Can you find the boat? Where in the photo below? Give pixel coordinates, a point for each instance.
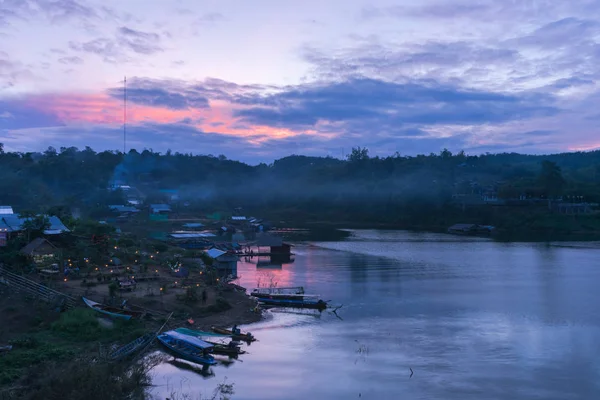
(231, 349)
(187, 347)
(114, 312)
(131, 347)
(195, 333)
(291, 293)
(306, 301)
(246, 337)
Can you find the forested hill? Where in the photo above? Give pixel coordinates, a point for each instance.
(361, 186)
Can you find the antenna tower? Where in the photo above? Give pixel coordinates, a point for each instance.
(124, 115)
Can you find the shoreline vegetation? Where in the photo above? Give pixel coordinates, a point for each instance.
(61, 354)
(544, 196)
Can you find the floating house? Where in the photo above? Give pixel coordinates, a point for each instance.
(275, 245)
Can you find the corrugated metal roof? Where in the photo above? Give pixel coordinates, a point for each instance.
(123, 208)
(15, 223)
(160, 207)
(238, 218)
(193, 225)
(191, 235)
(215, 253)
(34, 245)
(265, 240)
(6, 210)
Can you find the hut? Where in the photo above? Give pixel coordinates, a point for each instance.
(225, 262)
(41, 251)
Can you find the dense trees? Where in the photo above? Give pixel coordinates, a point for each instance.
(360, 188)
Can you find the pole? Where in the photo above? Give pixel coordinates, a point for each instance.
(124, 115)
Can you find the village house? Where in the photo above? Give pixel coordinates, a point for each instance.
(225, 262)
(124, 211)
(41, 252)
(159, 212)
(12, 225)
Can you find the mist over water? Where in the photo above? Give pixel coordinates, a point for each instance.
(473, 318)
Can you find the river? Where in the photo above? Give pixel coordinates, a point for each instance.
(472, 318)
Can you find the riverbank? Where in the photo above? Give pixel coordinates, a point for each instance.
(48, 345)
(512, 224)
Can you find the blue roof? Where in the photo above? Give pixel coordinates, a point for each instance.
(14, 224)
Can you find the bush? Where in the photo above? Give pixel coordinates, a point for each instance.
(78, 324)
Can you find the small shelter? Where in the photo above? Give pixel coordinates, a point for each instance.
(41, 251)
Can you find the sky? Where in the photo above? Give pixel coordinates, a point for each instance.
(259, 80)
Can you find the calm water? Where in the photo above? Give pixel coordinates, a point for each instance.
(474, 319)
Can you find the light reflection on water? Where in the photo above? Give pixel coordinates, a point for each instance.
(472, 318)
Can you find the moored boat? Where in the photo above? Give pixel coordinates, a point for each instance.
(307, 301)
(187, 347)
(246, 337)
(131, 347)
(231, 348)
(193, 332)
(281, 292)
(114, 312)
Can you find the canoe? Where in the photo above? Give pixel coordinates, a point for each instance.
(112, 311)
(131, 347)
(247, 337)
(197, 353)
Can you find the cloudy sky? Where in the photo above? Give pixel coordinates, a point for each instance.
(261, 79)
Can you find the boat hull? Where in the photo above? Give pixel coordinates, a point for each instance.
(185, 350)
(131, 348)
(318, 305)
(247, 337)
(111, 311)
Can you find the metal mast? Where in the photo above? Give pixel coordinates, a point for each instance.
(124, 115)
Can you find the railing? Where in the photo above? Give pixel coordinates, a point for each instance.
(35, 289)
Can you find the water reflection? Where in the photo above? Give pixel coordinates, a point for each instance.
(473, 319)
(204, 371)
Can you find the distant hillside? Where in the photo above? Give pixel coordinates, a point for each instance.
(397, 190)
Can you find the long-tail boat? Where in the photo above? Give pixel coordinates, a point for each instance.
(188, 348)
(114, 312)
(246, 337)
(131, 347)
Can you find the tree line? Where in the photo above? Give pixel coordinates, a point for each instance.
(360, 187)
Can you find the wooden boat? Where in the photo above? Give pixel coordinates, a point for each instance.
(131, 347)
(306, 301)
(114, 312)
(187, 348)
(246, 337)
(231, 349)
(286, 293)
(195, 333)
